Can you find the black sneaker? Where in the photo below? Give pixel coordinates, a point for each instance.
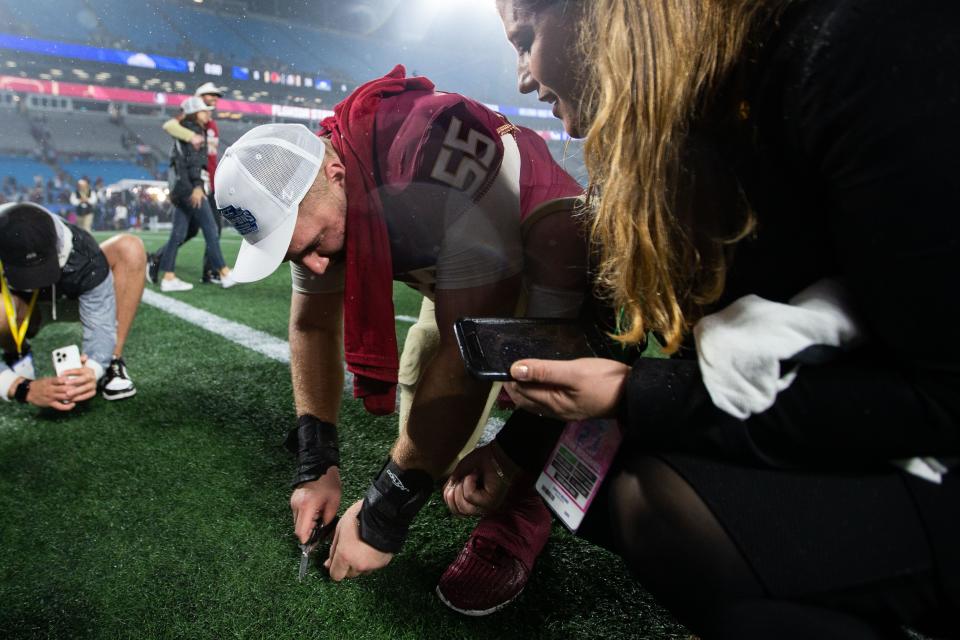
(210, 277)
(153, 267)
(116, 383)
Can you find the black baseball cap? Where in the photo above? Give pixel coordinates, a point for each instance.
(28, 246)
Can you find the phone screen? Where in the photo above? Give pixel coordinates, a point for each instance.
(490, 345)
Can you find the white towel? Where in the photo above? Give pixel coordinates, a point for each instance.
(740, 350)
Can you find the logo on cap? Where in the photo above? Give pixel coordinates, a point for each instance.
(242, 220)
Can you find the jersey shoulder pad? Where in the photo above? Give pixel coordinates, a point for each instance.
(446, 141)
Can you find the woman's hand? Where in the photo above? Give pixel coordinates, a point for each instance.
(568, 389)
(196, 197)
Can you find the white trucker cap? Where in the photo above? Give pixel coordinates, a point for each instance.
(261, 181)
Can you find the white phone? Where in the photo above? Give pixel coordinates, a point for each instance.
(66, 358)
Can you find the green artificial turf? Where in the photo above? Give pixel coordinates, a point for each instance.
(166, 516)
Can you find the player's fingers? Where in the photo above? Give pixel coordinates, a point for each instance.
(306, 521)
(330, 511)
(339, 567)
(450, 500)
(481, 497)
(333, 544)
(471, 488)
(464, 506)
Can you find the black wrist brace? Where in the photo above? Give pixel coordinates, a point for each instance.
(391, 504)
(314, 442)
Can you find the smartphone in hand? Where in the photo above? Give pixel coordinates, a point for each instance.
(66, 358)
(489, 346)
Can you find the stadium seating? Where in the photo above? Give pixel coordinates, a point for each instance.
(148, 128)
(16, 133)
(85, 133)
(64, 19)
(141, 25)
(231, 131)
(110, 170)
(209, 31)
(24, 169)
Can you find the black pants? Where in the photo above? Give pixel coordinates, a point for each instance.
(740, 552)
(193, 229)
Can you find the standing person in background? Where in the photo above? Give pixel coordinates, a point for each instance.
(120, 213)
(84, 199)
(100, 212)
(779, 204)
(210, 137)
(191, 204)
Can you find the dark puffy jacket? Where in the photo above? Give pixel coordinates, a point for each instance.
(188, 162)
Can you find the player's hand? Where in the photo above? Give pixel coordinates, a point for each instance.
(196, 197)
(50, 393)
(315, 502)
(568, 389)
(349, 555)
(480, 482)
(196, 141)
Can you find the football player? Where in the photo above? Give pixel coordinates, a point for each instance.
(432, 189)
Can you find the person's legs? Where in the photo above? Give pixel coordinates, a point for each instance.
(127, 258)
(210, 274)
(421, 344)
(181, 221)
(193, 228)
(191, 231)
(672, 541)
(204, 218)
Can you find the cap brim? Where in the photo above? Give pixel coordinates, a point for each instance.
(257, 261)
(30, 278)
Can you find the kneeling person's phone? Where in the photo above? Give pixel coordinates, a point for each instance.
(66, 358)
(489, 346)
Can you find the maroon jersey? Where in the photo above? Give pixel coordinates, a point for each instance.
(440, 157)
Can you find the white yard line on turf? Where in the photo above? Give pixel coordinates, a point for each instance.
(263, 343)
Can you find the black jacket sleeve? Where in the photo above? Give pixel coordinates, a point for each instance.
(871, 110)
(189, 163)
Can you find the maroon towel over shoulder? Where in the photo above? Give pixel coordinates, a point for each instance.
(369, 337)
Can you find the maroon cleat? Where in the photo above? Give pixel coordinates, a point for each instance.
(495, 564)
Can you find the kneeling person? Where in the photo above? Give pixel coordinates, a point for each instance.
(45, 260)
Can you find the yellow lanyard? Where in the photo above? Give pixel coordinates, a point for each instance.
(19, 331)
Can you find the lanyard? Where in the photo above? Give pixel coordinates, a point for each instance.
(19, 331)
